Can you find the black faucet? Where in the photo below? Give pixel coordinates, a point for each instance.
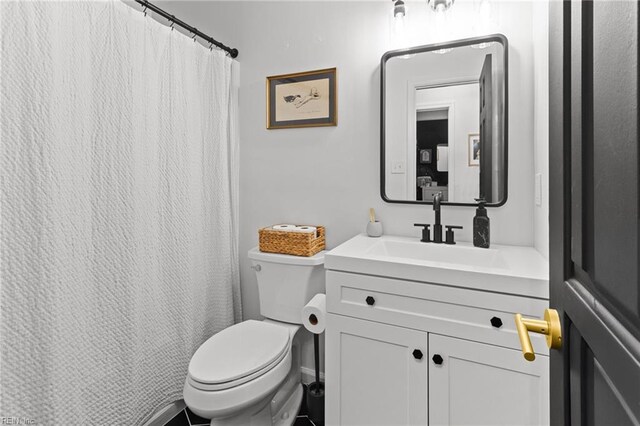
(437, 227)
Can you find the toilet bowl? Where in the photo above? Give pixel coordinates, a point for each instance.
(235, 375)
(249, 373)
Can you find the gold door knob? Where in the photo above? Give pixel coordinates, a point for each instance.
(549, 326)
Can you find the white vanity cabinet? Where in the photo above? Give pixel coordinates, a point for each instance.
(405, 352)
(381, 381)
(478, 384)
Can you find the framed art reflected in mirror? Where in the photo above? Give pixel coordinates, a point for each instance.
(474, 149)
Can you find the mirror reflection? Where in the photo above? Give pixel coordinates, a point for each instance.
(444, 126)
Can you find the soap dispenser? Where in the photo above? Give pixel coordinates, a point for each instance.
(481, 225)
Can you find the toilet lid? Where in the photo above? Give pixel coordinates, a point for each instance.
(238, 351)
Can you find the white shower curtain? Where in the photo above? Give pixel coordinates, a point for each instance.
(118, 207)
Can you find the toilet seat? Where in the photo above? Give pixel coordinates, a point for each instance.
(227, 385)
(238, 355)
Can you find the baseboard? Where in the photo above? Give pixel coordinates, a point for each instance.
(165, 414)
(309, 375)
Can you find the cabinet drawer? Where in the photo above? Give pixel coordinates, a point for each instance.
(469, 314)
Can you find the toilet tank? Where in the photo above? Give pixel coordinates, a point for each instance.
(286, 283)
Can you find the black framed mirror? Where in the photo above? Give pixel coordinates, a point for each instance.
(444, 122)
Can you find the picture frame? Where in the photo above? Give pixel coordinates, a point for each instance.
(474, 149)
(425, 156)
(305, 99)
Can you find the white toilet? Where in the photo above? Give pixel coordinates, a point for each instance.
(249, 373)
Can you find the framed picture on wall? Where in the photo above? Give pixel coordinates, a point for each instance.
(306, 99)
(425, 156)
(474, 149)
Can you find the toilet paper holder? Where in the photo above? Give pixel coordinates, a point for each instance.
(313, 317)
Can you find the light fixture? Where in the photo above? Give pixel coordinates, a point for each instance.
(442, 27)
(440, 5)
(399, 10)
(398, 34)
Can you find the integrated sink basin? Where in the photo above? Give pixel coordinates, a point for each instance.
(458, 255)
(507, 269)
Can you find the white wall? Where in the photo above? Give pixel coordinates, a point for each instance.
(330, 175)
(541, 122)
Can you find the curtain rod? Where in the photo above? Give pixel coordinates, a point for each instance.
(145, 3)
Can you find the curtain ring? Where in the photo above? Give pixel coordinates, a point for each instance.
(194, 36)
(145, 11)
(172, 24)
(211, 46)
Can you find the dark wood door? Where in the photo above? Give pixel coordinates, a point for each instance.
(486, 131)
(594, 212)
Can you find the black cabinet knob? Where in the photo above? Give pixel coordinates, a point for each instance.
(437, 359)
(370, 300)
(417, 354)
(496, 322)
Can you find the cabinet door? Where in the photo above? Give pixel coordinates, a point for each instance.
(374, 375)
(477, 384)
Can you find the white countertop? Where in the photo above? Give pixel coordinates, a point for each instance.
(506, 269)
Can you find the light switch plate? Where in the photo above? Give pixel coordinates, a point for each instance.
(398, 168)
(538, 189)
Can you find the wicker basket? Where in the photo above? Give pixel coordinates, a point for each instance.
(295, 243)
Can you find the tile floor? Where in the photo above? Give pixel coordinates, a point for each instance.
(187, 418)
